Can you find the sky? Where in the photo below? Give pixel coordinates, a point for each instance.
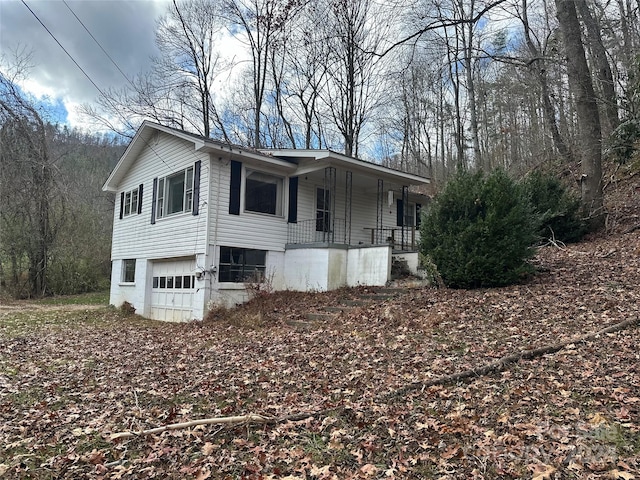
(124, 28)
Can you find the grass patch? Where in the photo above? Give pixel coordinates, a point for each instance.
(92, 298)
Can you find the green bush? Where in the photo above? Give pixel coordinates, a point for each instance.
(557, 209)
(622, 143)
(480, 231)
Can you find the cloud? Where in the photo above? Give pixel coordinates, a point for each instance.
(125, 30)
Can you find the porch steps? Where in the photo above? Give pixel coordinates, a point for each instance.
(313, 320)
(338, 309)
(319, 316)
(355, 303)
(378, 297)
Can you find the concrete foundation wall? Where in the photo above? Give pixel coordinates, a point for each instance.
(327, 267)
(369, 266)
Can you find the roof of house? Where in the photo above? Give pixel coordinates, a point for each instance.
(290, 161)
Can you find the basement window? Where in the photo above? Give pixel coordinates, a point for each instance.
(128, 271)
(239, 265)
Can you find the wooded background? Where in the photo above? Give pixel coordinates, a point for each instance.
(426, 86)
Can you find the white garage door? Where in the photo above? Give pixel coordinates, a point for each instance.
(173, 289)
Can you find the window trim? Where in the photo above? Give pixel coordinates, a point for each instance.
(163, 194)
(124, 271)
(280, 188)
(131, 199)
(131, 202)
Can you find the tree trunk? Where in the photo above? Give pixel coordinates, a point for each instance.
(586, 111)
(538, 66)
(603, 69)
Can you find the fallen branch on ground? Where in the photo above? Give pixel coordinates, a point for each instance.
(503, 362)
(249, 419)
(492, 367)
(632, 229)
(242, 419)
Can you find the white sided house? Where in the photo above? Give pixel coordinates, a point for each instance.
(196, 219)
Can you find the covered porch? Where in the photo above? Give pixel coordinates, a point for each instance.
(348, 219)
(343, 201)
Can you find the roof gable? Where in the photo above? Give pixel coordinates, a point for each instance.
(288, 161)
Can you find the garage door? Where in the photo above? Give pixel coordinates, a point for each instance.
(173, 289)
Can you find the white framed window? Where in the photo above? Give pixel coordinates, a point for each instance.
(130, 205)
(263, 193)
(323, 210)
(128, 271)
(174, 193)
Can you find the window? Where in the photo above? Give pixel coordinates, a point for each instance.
(128, 271)
(175, 193)
(240, 264)
(131, 202)
(177, 282)
(323, 210)
(263, 193)
(409, 218)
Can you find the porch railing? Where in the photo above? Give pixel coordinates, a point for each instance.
(394, 236)
(314, 231)
(311, 231)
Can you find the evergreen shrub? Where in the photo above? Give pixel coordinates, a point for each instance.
(480, 231)
(557, 209)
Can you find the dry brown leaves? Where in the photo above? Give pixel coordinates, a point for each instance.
(76, 377)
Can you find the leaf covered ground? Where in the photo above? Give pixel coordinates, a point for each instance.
(350, 385)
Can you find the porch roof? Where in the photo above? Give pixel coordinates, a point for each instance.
(309, 161)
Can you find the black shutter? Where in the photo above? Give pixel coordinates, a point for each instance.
(196, 187)
(418, 209)
(400, 213)
(140, 198)
(121, 205)
(154, 196)
(293, 200)
(234, 192)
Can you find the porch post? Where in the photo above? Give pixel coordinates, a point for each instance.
(379, 216)
(347, 207)
(330, 196)
(405, 212)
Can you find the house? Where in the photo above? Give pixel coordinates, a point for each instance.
(196, 219)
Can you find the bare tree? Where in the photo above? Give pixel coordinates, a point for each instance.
(299, 77)
(586, 111)
(179, 90)
(27, 180)
(258, 24)
(604, 75)
(353, 31)
(537, 63)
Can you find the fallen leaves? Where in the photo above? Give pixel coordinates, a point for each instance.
(67, 384)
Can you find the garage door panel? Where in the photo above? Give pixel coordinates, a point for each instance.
(173, 290)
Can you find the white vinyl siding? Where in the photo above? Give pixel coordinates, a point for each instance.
(247, 230)
(174, 236)
(363, 208)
